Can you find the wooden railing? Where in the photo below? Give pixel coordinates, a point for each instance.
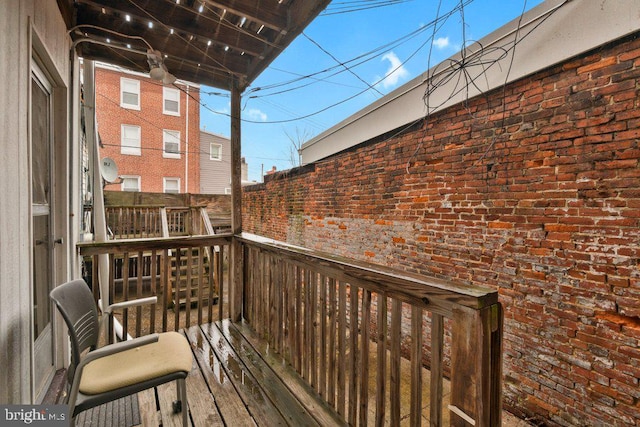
(135, 222)
(188, 275)
(353, 331)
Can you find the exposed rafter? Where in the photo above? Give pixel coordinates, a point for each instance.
(206, 41)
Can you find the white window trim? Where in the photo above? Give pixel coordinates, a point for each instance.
(165, 92)
(165, 153)
(164, 183)
(219, 151)
(227, 190)
(130, 177)
(128, 149)
(123, 81)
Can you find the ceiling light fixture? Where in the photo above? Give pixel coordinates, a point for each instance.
(127, 18)
(201, 7)
(260, 29)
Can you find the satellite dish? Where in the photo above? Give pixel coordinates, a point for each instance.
(108, 169)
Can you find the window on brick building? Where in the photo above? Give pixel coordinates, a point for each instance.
(129, 93)
(130, 183)
(171, 101)
(215, 151)
(171, 143)
(130, 140)
(171, 185)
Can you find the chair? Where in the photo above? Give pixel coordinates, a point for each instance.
(119, 369)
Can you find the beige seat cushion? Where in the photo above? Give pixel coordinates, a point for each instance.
(171, 353)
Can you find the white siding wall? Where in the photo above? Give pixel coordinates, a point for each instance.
(215, 175)
(16, 20)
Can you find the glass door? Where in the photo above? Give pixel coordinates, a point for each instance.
(42, 240)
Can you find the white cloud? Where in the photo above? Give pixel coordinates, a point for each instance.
(441, 42)
(257, 115)
(395, 72)
(219, 111)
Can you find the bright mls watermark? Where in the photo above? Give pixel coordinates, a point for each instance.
(36, 415)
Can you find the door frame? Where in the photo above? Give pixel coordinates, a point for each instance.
(59, 203)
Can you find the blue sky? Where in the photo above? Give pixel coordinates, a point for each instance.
(354, 57)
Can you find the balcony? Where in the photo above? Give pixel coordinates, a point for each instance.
(306, 338)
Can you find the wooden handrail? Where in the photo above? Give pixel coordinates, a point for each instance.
(330, 317)
(132, 245)
(430, 293)
(185, 274)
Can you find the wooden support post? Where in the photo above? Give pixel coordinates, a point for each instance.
(236, 270)
(476, 367)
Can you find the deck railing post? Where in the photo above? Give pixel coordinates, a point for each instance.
(236, 270)
(476, 367)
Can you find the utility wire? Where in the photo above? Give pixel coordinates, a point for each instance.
(350, 70)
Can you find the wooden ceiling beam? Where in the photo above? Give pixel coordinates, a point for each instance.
(183, 20)
(265, 12)
(131, 61)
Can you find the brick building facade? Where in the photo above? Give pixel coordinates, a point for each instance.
(543, 205)
(150, 130)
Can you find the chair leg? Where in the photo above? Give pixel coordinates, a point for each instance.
(182, 391)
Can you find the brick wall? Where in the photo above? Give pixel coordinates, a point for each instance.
(544, 205)
(151, 166)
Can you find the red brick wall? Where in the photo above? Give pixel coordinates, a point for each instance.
(546, 208)
(151, 166)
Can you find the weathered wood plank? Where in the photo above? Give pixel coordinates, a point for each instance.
(381, 377)
(295, 414)
(167, 394)
(125, 293)
(176, 289)
(313, 328)
(365, 340)
(154, 289)
(139, 265)
(148, 409)
(202, 404)
(322, 381)
(342, 344)
(416, 366)
(306, 356)
(430, 293)
(394, 382)
(165, 289)
(437, 347)
(322, 413)
(333, 319)
(230, 405)
(132, 245)
(464, 365)
(263, 410)
(299, 326)
(200, 291)
(353, 355)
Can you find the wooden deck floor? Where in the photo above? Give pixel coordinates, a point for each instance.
(234, 381)
(230, 384)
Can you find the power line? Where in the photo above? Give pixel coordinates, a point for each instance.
(342, 64)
